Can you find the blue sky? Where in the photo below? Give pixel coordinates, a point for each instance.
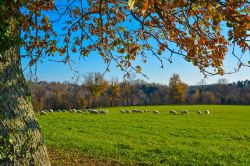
(54, 71)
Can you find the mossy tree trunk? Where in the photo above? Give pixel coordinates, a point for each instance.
(21, 142)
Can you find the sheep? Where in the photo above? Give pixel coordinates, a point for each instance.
(51, 110)
(172, 112)
(184, 112)
(156, 112)
(207, 112)
(74, 110)
(134, 111)
(137, 111)
(140, 111)
(198, 112)
(78, 111)
(43, 113)
(127, 111)
(123, 111)
(146, 110)
(103, 111)
(85, 110)
(92, 111)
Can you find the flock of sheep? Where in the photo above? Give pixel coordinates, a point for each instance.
(171, 112)
(93, 111)
(139, 111)
(186, 112)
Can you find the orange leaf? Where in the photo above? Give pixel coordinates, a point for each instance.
(145, 7)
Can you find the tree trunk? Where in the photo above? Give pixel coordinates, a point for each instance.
(21, 142)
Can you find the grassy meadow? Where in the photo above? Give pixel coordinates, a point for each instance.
(222, 138)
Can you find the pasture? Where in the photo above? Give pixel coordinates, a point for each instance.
(222, 138)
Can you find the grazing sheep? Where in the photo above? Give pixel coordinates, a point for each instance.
(103, 111)
(134, 111)
(51, 110)
(122, 111)
(198, 112)
(78, 111)
(172, 112)
(207, 112)
(92, 111)
(43, 113)
(146, 110)
(137, 111)
(140, 111)
(156, 112)
(127, 111)
(184, 112)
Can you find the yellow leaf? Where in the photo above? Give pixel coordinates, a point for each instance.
(131, 4)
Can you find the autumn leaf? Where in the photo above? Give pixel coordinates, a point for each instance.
(138, 69)
(131, 4)
(145, 7)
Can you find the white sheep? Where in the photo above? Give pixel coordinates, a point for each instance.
(43, 113)
(103, 111)
(140, 111)
(127, 111)
(134, 111)
(184, 112)
(207, 112)
(50, 110)
(79, 111)
(156, 112)
(198, 112)
(122, 111)
(173, 112)
(92, 111)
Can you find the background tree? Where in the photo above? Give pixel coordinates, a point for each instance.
(96, 85)
(126, 92)
(114, 91)
(177, 90)
(222, 89)
(106, 27)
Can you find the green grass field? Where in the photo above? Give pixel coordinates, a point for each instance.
(222, 138)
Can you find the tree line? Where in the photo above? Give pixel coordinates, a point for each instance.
(96, 91)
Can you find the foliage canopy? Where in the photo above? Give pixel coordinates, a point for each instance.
(122, 31)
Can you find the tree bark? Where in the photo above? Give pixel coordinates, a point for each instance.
(21, 142)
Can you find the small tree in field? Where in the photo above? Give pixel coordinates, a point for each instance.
(177, 90)
(120, 31)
